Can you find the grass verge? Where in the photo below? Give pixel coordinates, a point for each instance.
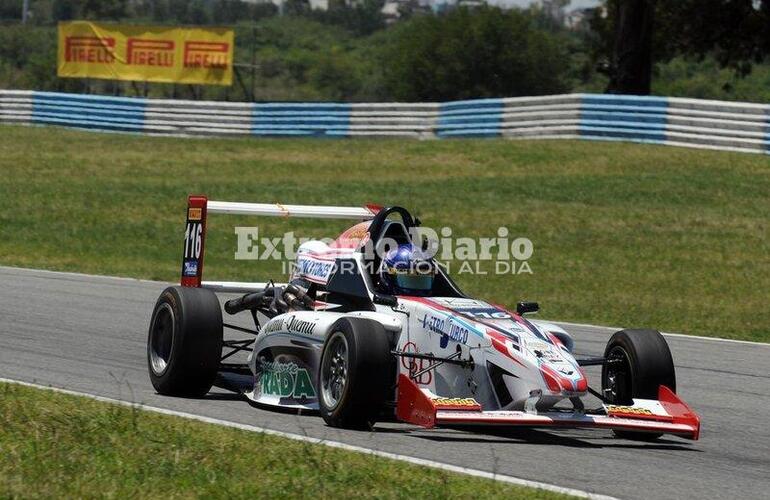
(633, 235)
(60, 446)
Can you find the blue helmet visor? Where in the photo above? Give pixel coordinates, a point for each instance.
(414, 281)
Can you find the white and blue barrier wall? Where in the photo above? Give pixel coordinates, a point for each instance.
(663, 120)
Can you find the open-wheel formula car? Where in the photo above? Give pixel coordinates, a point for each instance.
(345, 338)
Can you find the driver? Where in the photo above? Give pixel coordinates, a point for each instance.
(407, 270)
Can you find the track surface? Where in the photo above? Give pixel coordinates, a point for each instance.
(88, 334)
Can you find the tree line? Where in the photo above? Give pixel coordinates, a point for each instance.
(637, 34)
(348, 52)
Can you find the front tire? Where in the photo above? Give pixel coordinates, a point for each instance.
(640, 362)
(184, 343)
(355, 374)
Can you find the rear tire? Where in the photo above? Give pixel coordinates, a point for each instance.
(355, 376)
(642, 364)
(184, 343)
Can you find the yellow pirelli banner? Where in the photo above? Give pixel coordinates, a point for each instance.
(146, 53)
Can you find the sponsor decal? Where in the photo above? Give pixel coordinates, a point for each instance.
(460, 302)
(358, 231)
(548, 353)
(150, 53)
(89, 49)
(448, 327)
(416, 365)
(190, 268)
(285, 380)
(626, 410)
(455, 401)
(484, 313)
(194, 213)
(474, 308)
(314, 270)
(534, 345)
(273, 326)
(295, 325)
(290, 324)
(206, 54)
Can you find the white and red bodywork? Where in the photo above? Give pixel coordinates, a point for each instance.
(521, 369)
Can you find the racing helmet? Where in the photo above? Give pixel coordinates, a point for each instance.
(407, 270)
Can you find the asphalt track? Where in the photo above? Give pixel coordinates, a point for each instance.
(87, 334)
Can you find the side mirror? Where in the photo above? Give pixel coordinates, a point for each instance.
(385, 300)
(527, 307)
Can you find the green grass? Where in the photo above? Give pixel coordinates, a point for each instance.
(631, 235)
(61, 446)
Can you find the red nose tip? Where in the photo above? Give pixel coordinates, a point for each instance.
(551, 379)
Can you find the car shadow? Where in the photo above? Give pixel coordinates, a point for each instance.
(211, 396)
(222, 396)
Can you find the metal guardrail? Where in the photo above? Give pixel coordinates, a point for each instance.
(699, 123)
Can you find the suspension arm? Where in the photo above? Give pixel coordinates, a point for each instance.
(452, 360)
(595, 361)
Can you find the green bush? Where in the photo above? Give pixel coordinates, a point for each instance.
(707, 80)
(473, 53)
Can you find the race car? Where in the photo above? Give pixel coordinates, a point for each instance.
(363, 337)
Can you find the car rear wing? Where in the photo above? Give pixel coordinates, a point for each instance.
(199, 207)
